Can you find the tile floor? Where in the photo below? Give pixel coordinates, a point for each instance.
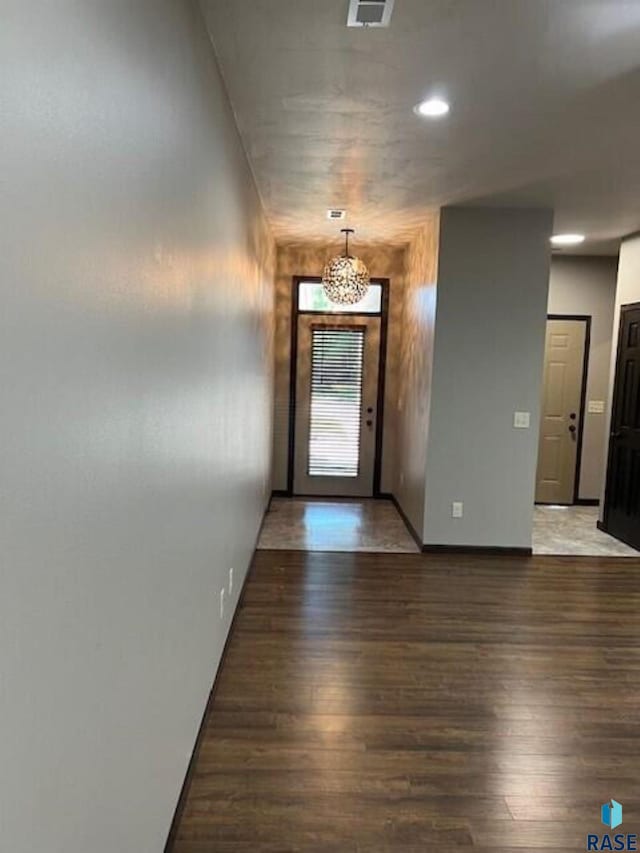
(375, 526)
(572, 531)
(299, 524)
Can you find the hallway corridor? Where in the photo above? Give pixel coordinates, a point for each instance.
(339, 249)
(375, 703)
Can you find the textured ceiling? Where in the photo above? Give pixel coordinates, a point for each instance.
(545, 110)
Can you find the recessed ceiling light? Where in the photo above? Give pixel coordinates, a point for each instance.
(567, 239)
(432, 108)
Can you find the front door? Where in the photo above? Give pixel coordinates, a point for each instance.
(622, 501)
(336, 405)
(560, 422)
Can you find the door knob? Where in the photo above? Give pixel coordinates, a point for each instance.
(369, 423)
(573, 416)
(572, 429)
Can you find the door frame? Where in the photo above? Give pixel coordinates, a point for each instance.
(382, 369)
(586, 319)
(604, 524)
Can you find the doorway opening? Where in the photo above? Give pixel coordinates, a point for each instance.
(336, 415)
(563, 522)
(333, 499)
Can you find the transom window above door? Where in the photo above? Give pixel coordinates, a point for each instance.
(313, 299)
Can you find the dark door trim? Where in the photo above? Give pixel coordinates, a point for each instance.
(382, 369)
(604, 524)
(586, 319)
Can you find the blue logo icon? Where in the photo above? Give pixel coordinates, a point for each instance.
(611, 814)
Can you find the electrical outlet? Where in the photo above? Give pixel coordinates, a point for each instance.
(222, 603)
(457, 508)
(230, 581)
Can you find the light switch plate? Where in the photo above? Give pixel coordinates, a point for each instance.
(521, 420)
(596, 407)
(457, 509)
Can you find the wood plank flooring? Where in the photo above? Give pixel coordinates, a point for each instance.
(395, 702)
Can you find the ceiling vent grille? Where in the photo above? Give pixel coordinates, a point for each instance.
(369, 13)
(334, 214)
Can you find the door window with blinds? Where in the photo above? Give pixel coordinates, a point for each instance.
(336, 401)
(336, 421)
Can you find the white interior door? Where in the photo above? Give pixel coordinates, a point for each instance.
(560, 411)
(336, 405)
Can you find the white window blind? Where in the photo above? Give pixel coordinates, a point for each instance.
(336, 401)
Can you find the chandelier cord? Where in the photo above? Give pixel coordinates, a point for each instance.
(346, 232)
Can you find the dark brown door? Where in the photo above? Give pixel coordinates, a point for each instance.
(622, 501)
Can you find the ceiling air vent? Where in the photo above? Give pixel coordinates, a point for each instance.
(369, 13)
(336, 214)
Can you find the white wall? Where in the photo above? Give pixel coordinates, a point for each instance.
(587, 285)
(627, 292)
(493, 274)
(136, 288)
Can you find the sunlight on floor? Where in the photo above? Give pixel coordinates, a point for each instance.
(335, 525)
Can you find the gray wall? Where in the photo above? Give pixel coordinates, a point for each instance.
(587, 285)
(490, 324)
(135, 360)
(627, 292)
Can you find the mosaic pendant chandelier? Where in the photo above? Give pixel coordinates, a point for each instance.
(345, 278)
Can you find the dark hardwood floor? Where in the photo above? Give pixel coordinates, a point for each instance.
(383, 702)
